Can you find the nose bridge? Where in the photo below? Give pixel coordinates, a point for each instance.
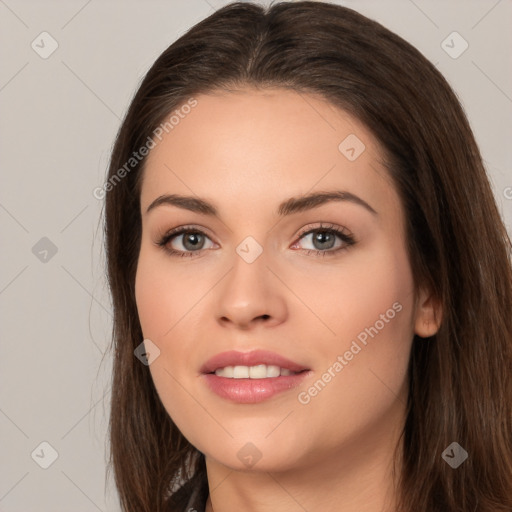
(248, 280)
(250, 290)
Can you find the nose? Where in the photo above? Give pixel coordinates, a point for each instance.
(250, 294)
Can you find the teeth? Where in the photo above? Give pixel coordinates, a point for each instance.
(240, 372)
(273, 371)
(260, 371)
(227, 372)
(256, 372)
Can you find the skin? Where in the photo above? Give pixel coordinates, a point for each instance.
(246, 151)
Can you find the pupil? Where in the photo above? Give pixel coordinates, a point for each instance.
(192, 237)
(321, 237)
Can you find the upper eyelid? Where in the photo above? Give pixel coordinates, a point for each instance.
(329, 227)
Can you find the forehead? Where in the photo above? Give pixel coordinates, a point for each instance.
(263, 145)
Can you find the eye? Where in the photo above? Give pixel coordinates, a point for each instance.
(324, 238)
(192, 241)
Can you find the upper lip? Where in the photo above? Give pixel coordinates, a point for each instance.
(253, 358)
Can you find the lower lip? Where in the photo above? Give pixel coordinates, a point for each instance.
(250, 391)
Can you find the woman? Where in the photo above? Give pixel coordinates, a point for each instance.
(311, 281)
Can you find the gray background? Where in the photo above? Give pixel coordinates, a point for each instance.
(59, 118)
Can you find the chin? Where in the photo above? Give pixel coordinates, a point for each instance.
(263, 455)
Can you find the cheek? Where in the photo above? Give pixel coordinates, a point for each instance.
(165, 307)
(162, 296)
(380, 297)
(373, 320)
(367, 289)
(153, 305)
(378, 313)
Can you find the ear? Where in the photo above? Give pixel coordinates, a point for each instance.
(428, 314)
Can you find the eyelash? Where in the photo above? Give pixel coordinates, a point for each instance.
(347, 239)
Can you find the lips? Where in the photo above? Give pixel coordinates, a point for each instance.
(254, 358)
(246, 390)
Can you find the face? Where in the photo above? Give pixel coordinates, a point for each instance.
(322, 289)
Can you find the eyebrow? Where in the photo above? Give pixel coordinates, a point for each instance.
(288, 207)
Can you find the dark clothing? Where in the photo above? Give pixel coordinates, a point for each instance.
(190, 497)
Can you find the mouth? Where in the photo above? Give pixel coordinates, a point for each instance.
(251, 377)
(260, 371)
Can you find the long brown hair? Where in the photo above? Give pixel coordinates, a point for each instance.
(460, 386)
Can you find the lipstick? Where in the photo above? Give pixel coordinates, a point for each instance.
(251, 377)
